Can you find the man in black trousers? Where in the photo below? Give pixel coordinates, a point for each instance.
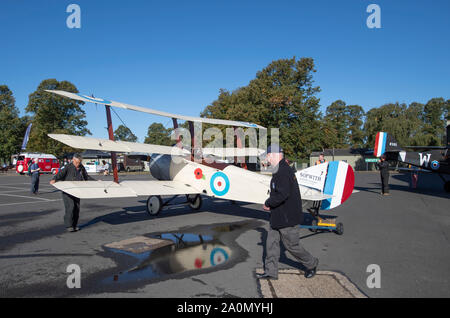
(383, 166)
(74, 171)
(285, 207)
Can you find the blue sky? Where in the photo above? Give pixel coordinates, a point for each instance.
(176, 55)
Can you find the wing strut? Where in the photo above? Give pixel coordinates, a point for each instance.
(111, 137)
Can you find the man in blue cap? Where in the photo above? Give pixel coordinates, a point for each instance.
(285, 207)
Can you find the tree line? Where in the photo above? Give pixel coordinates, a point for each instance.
(282, 95)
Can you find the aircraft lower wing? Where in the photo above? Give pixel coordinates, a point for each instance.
(124, 189)
(316, 197)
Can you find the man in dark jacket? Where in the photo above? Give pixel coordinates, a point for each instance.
(35, 172)
(285, 206)
(383, 166)
(74, 171)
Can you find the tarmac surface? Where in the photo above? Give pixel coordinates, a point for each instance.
(123, 252)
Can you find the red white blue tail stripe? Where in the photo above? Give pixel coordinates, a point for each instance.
(339, 183)
(380, 144)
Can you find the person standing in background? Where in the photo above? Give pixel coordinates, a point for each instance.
(321, 159)
(35, 176)
(383, 166)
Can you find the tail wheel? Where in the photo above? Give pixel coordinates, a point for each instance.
(195, 201)
(313, 223)
(154, 205)
(339, 229)
(447, 187)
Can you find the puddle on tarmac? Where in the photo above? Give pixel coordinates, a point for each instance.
(190, 250)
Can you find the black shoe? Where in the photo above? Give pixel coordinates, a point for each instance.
(265, 276)
(310, 273)
(70, 229)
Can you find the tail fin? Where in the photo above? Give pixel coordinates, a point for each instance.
(385, 143)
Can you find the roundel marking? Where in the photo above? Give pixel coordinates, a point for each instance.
(219, 184)
(435, 164)
(218, 256)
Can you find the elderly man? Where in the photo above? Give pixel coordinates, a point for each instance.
(285, 207)
(74, 171)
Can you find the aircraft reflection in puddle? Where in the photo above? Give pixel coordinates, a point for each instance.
(185, 252)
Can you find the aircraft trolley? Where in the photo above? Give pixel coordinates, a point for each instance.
(322, 224)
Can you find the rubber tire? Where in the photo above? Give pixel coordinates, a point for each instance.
(154, 205)
(447, 186)
(196, 202)
(339, 229)
(128, 169)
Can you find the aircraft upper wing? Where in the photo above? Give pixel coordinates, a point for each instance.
(110, 189)
(102, 101)
(91, 143)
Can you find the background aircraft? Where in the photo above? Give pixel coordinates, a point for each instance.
(434, 159)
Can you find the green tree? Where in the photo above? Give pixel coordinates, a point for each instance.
(355, 114)
(54, 114)
(11, 126)
(157, 134)
(389, 118)
(336, 122)
(342, 125)
(124, 134)
(281, 96)
(414, 125)
(435, 112)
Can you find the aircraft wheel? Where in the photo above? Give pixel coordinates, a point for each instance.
(154, 205)
(447, 186)
(339, 229)
(195, 201)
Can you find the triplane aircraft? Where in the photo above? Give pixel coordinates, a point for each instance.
(327, 185)
(433, 159)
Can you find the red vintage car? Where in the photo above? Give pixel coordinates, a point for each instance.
(47, 163)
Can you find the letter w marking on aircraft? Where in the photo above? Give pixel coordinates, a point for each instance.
(424, 159)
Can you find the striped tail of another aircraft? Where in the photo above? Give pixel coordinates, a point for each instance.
(385, 143)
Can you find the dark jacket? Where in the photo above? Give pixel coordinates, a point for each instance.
(383, 166)
(285, 202)
(70, 173)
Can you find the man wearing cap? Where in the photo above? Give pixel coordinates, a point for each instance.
(74, 171)
(285, 206)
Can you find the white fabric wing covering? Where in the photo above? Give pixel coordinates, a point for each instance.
(117, 146)
(89, 99)
(109, 189)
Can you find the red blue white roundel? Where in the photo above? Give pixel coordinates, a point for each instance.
(220, 184)
(435, 165)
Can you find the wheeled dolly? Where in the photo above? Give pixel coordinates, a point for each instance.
(155, 203)
(321, 224)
